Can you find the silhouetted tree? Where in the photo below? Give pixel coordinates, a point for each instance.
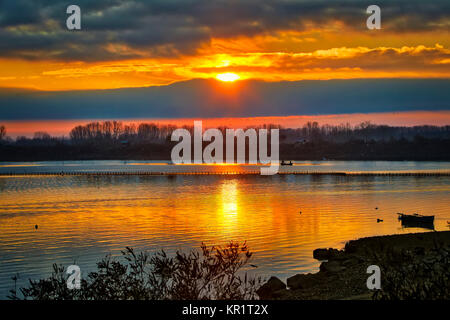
(42, 135)
(2, 132)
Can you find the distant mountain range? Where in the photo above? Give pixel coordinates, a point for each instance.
(200, 98)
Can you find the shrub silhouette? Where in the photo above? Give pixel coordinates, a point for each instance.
(211, 273)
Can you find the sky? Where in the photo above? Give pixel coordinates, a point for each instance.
(134, 44)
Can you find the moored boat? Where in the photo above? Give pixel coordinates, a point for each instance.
(416, 220)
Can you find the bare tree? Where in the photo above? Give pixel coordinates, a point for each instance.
(2, 132)
(41, 135)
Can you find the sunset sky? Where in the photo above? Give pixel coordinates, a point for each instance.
(124, 43)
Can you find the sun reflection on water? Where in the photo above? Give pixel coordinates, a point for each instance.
(229, 198)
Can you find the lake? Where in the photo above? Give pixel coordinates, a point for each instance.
(83, 218)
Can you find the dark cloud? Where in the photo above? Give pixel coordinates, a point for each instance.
(202, 99)
(13, 13)
(163, 27)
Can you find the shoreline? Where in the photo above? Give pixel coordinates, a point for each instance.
(343, 273)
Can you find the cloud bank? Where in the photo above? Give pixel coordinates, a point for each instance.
(125, 29)
(211, 99)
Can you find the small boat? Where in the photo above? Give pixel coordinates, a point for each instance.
(416, 220)
(286, 163)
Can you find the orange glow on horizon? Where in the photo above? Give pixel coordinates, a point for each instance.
(237, 59)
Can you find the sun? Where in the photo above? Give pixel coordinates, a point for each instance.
(228, 77)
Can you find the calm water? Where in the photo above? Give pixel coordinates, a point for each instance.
(83, 218)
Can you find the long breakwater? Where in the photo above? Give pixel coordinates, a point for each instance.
(227, 172)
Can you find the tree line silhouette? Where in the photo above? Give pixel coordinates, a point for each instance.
(312, 141)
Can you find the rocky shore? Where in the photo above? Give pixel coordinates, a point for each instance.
(343, 273)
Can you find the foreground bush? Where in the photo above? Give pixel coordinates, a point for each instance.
(422, 277)
(211, 273)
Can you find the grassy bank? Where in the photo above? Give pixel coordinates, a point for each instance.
(413, 266)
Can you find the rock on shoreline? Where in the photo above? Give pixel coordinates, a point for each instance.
(343, 273)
